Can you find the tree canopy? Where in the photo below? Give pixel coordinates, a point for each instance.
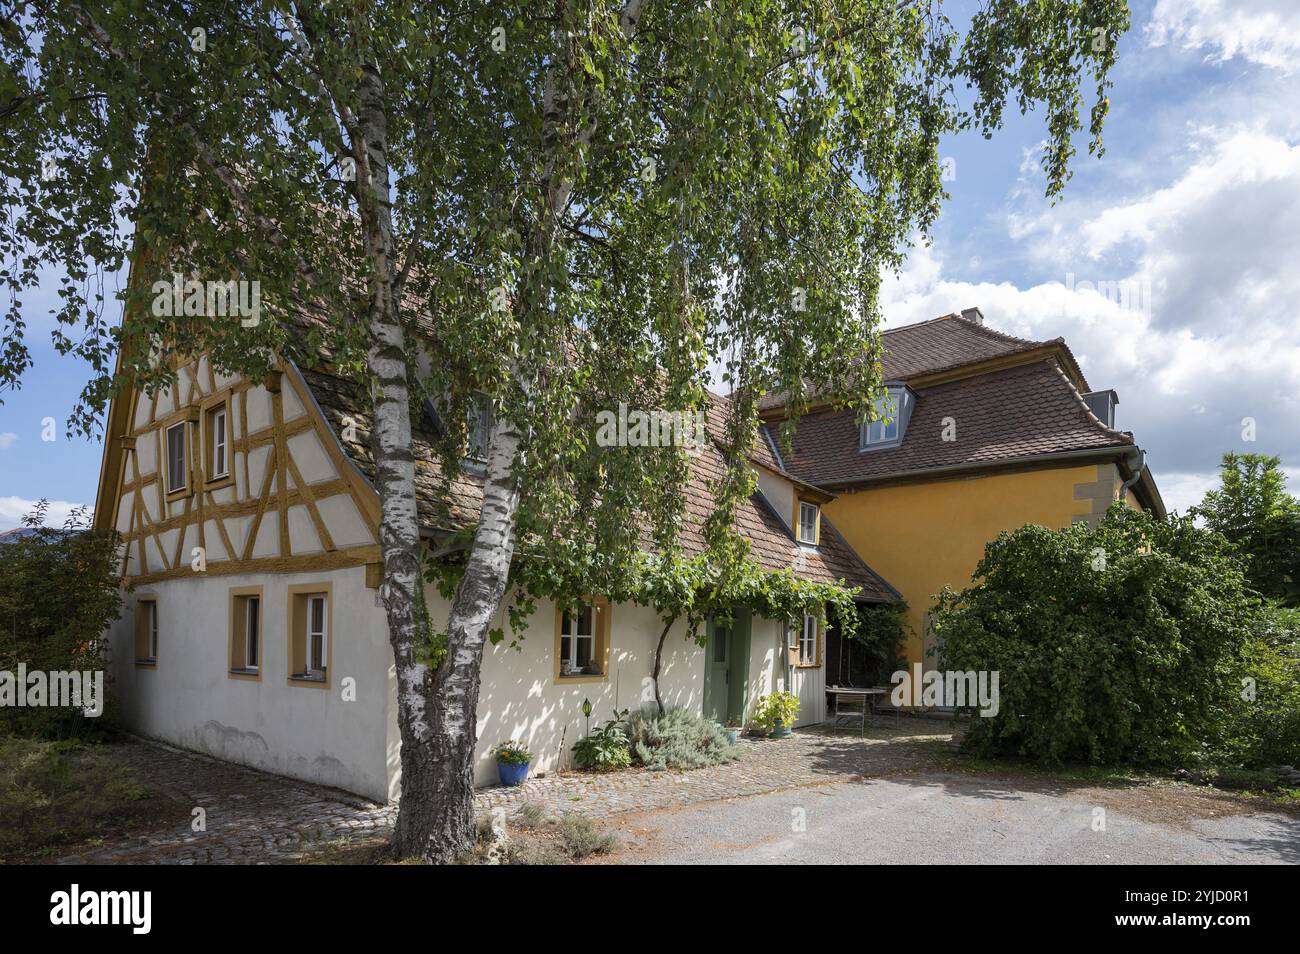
(1253, 510)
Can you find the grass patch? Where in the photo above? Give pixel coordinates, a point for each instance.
(582, 839)
(538, 838)
(54, 795)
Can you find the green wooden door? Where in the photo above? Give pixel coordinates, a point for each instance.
(738, 668)
(726, 672)
(717, 673)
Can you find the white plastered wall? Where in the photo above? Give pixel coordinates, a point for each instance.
(302, 731)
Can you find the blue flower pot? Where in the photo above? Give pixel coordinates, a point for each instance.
(512, 774)
(780, 730)
(733, 735)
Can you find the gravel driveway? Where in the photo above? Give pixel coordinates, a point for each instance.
(956, 818)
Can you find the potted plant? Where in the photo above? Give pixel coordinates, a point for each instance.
(776, 712)
(513, 759)
(732, 730)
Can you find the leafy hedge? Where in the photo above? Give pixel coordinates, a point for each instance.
(1124, 643)
(1270, 731)
(59, 590)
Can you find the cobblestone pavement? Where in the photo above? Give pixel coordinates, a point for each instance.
(253, 817)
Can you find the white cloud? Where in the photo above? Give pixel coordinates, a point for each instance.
(1266, 32)
(1208, 336)
(7, 439)
(1181, 491)
(13, 509)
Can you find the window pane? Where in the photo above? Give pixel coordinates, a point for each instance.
(219, 443)
(176, 457)
(317, 615)
(584, 648)
(565, 647)
(251, 629)
(807, 523)
(584, 621)
(891, 430)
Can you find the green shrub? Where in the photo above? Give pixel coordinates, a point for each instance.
(1124, 643)
(604, 750)
(581, 838)
(678, 740)
(59, 591)
(54, 793)
(1270, 726)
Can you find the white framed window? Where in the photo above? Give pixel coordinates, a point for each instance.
(217, 436)
(808, 641)
(310, 631)
(884, 426)
(177, 478)
(252, 631)
(317, 636)
(808, 518)
(578, 641)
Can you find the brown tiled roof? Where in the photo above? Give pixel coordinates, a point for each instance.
(772, 546)
(1017, 412)
(940, 344)
(944, 343)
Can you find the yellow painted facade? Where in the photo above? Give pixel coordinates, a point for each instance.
(923, 536)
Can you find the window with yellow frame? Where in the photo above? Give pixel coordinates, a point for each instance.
(808, 643)
(146, 630)
(582, 641)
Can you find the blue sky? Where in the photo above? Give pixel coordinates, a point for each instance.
(1195, 209)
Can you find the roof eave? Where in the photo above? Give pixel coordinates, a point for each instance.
(944, 470)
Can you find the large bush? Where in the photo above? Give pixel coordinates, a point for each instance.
(1127, 642)
(678, 740)
(59, 591)
(1269, 733)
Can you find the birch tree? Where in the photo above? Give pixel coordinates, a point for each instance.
(555, 207)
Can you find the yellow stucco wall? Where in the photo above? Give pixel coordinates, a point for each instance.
(920, 537)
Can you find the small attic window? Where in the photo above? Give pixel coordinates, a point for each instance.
(888, 419)
(809, 517)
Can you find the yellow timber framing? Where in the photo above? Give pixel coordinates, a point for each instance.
(197, 394)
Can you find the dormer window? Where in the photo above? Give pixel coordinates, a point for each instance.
(809, 522)
(888, 419)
